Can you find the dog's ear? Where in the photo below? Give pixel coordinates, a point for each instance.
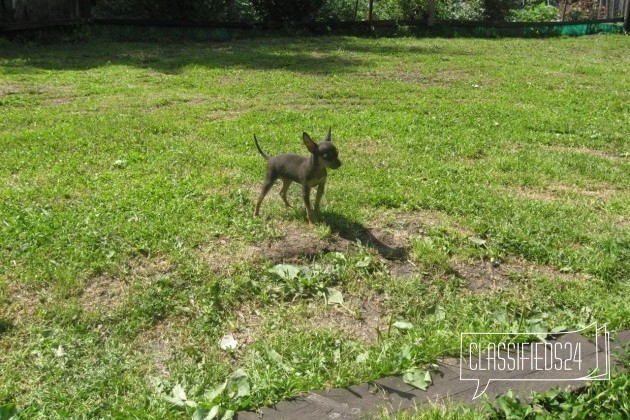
(328, 136)
(309, 143)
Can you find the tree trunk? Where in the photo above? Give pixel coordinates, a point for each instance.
(431, 19)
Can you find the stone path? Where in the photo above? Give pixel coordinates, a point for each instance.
(392, 393)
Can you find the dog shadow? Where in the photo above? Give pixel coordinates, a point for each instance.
(353, 231)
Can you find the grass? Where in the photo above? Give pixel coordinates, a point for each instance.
(128, 179)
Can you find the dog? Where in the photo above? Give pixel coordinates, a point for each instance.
(309, 171)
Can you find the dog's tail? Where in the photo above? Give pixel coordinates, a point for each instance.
(263, 154)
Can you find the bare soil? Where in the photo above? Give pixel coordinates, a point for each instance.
(162, 343)
(106, 292)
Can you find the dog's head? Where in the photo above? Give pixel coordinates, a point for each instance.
(325, 150)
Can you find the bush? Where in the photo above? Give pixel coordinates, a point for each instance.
(499, 10)
(466, 10)
(338, 10)
(386, 10)
(535, 13)
(183, 10)
(582, 10)
(419, 9)
(444, 9)
(287, 10)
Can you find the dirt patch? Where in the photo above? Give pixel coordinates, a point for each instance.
(440, 78)
(162, 343)
(228, 80)
(10, 88)
(24, 301)
(300, 243)
(481, 276)
(531, 194)
(60, 101)
(360, 319)
(371, 148)
(223, 115)
(222, 255)
(517, 267)
(391, 244)
(450, 76)
(104, 292)
(602, 193)
(388, 238)
(556, 191)
(591, 152)
(416, 223)
(403, 269)
(249, 326)
(484, 276)
(623, 222)
(147, 268)
(295, 242)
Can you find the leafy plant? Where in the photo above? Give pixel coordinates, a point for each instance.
(303, 281)
(418, 10)
(541, 12)
(8, 412)
(418, 378)
(338, 10)
(465, 10)
(599, 400)
(226, 399)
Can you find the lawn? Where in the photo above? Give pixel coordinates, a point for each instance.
(484, 187)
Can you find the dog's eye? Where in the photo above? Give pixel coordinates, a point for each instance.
(325, 155)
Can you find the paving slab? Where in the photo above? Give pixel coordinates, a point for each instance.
(393, 394)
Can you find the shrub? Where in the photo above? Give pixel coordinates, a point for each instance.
(535, 13)
(499, 10)
(184, 10)
(386, 10)
(466, 10)
(339, 10)
(419, 9)
(582, 10)
(287, 10)
(444, 9)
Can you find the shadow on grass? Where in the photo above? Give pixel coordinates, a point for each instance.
(353, 231)
(315, 55)
(5, 326)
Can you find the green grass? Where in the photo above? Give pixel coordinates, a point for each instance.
(128, 181)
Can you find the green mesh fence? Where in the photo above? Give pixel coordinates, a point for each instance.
(128, 30)
(529, 30)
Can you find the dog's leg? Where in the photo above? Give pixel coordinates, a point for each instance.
(283, 192)
(265, 189)
(318, 196)
(306, 195)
